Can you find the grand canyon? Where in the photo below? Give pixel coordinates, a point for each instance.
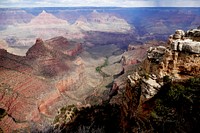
(99, 69)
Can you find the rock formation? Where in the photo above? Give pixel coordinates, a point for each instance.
(194, 34)
(161, 65)
(103, 22)
(137, 53)
(30, 88)
(161, 61)
(45, 18)
(186, 43)
(139, 84)
(45, 25)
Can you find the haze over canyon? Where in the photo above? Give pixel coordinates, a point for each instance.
(57, 62)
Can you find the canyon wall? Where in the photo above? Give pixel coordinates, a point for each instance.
(161, 65)
(34, 86)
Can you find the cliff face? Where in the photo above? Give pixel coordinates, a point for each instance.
(180, 59)
(161, 65)
(162, 61)
(173, 63)
(102, 22)
(30, 89)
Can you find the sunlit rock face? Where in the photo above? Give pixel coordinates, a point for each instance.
(103, 22)
(185, 42)
(45, 18)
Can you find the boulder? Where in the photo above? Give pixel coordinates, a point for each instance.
(180, 32)
(176, 36)
(192, 47)
(186, 46)
(193, 32)
(155, 54)
(150, 87)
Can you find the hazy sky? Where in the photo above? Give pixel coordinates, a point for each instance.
(97, 3)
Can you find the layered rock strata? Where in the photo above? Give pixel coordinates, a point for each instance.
(30, 87)
(162, 64)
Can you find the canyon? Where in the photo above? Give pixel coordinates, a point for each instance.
(146, 95)
(57, 64)
(54, 73)
(45, 25)
(50, 76)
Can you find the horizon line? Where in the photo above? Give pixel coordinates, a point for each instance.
(102, 7)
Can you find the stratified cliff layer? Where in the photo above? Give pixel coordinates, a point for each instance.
(30, 89)
(157, 92)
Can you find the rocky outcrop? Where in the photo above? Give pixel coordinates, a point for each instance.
(186, 46)
(179, 34)
(155, 54)
(162, 61)
(37, 50)
(141, 83)
(194, 34)
(137, 53)
(161, 65)
(186, 42)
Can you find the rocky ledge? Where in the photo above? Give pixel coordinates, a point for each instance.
(180, 59)
(162, 70)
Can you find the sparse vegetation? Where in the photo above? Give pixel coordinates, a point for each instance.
(166, 79)
(177, 107)
(98, 69)
(65, 114)
(98, 119)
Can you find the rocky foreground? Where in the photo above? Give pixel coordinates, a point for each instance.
(158, 95)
